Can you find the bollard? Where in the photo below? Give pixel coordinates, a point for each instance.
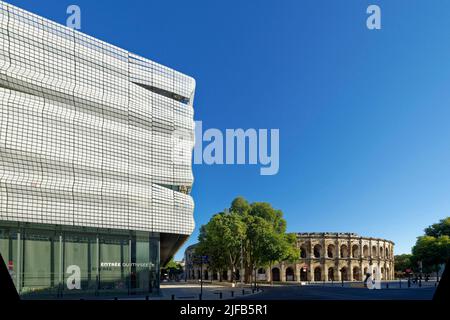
(115, 298)
(220, 295)
(243, 292)
(387, 285)
(199, 296)
(232, 293)
(400, 283)
(173, 297)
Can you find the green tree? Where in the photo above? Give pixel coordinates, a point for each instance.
(240, 206)
(256, 232)
(220, 239)
(173, 269)
(432, 249)
(403, 262)
(442, 228)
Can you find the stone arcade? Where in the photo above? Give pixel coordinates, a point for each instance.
(323, 257)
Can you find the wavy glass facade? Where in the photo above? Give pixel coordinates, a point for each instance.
(95, 145)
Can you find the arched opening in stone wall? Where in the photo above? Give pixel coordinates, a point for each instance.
(355, 251)
(365, 251)
(205, 275)
(356, 274)
(374, 251)
(317, 251)
(237, 275)
(303, 274)
(387, 253)
(344, 251)
(290, 274)
(317, 274)
(381, 252)
(215, 277)
(331, 250)
(198, 274)
(382, 273)
(331, 274)
(344, 274)
(303, 252)
(276, 274)
(225, 275)
(261, 274)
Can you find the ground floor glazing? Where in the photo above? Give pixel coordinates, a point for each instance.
(59, 262)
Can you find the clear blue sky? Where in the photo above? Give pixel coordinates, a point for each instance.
(364, 116)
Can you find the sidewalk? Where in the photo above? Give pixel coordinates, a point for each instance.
(213, 291)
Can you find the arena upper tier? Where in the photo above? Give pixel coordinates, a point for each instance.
(323, 257)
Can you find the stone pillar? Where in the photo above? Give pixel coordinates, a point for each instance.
(282, 272)
(337, 273)
(310, 272)
(324, 248)
(360, 248)
(350, 272)
(361, 270)
(324, 272)
(336, 248)
(349, 246)
(297, 272)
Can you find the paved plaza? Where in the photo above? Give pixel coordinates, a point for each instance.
(392, 290)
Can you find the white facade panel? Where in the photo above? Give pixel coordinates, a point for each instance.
(90, 134)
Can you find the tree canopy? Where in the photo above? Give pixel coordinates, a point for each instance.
(403, 262)
(442, 228)
(256, 232)
(433, 248)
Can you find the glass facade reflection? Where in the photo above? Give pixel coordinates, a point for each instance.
(40, 258)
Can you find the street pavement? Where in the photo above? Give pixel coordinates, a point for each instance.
(391, 290)
(317, 292)
(191, 291)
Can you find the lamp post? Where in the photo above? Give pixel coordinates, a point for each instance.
(201, 277)
(255, 277)
(242, 266)
(420, 274)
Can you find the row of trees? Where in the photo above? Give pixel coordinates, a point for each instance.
(251, 234)
(172, 270)
(431, 250)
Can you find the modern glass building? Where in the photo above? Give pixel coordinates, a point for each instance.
(95, 161)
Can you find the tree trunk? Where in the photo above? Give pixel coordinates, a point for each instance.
(248, 274)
